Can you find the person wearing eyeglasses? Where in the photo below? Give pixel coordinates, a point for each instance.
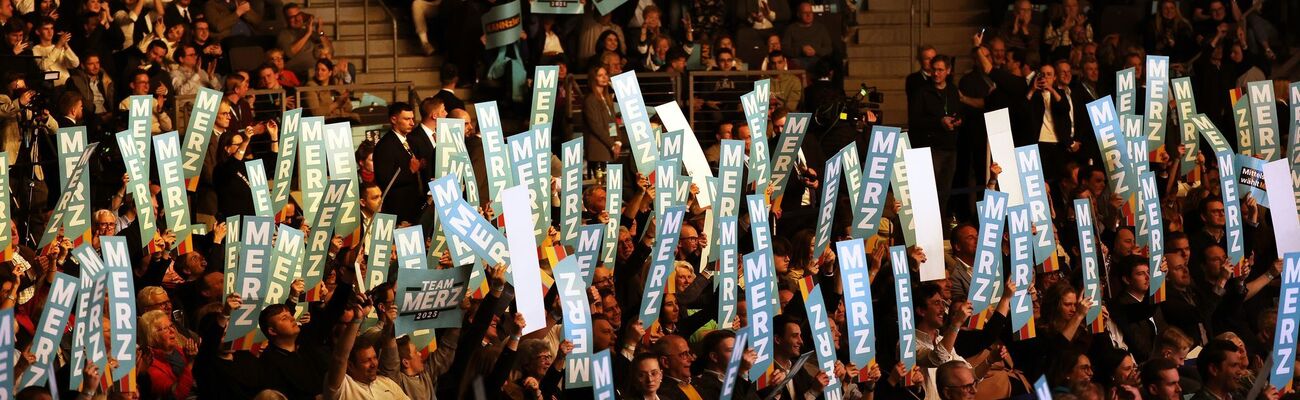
(955, 380)
(646, 378)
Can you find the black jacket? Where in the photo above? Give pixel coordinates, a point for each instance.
(405, 197)
(925, 114)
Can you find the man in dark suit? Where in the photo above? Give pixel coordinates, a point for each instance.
(180, 12)
(787, 343)
(1084, 89)
(675, 357)
(716, 349)
(921, 78)
(426, 132)
(398, 168)
(1047, 122)
(450, 77)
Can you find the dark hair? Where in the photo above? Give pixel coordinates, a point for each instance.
(1150, 373)
(711, 341)
(1105, 363)
(781, 323)
(157, 43)
(600, 41)
(1214, 353)
(288, 7)
(363, 342)
(364, 150)
(67, 100)
(429, 104)
(448, 73)
(1052, 298)
(947, 61)
(398, 108)
(638, 360)
(326, 62)
(180, 51)
(272, 310)
(1126, 264)
(1062, 364)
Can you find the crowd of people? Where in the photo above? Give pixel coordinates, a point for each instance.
(1209, 337)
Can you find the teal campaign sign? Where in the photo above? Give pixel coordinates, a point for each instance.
(71, 144)
(1231, 207)
(495, 158)
(731, 170)
(1113, 145)
(1157, 101)
(669, 227)
(49, 331)
(426, 298)
(1126, 91)
(286, 262)
(176, 205)
(1088, 256)
(787, 151)
(733, 365)
(73, 205)
(1294, 153)
(1034, 188)
(230, 253)
(826, 210)
(342, 162)
(670, 145)
(1137, 145)
(903, 191)
(823, 342)
(728, 270)
(859, 316)
(903, 300)
(602, 371)
(139, 122)
(136, 159)
(121, 296)
(986, 274)
(755, 105)
(875, 180)
(88, 332)
(290, 128)
(311, 165)
(1263, 116)
(586, 250)
(253, 276)
(604, 7)
(7, 336)
(571, 190)
(1284, 335)
(6, 225)
(1022, 265)
(577, 322)
(502, 24)
(555, 6)
(462, 221)
(207, 102)
(259, 187)
(1185, 107)
(635, 120)
(1150, 197)
(665, 184)
(546, 82)
(1245, 127)
(762, 305)
(852, 171)
(322, 231)
(530, 155)
(613, 200)
(379, 247)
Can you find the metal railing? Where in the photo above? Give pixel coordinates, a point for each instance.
(185, 104)
(365, 29)
(714, 96)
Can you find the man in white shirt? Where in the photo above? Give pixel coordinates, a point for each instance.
(356, 355)
(56, 55)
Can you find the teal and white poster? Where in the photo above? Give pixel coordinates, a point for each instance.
(858, 314)
(49, 333)
(669, 227)
(577, 322)
(311, 166)
(290, 135)
(986, 274)
(571, 190)
(286, 263)
(259, 187)
(1088, 256)
(426, 298)
(207, 102)
(74, 204)
(1157, 101)
(876, 171)
(636, 121)
(121, 296)
(342, 162)
(379, 248)
(176, 205)
(787, 151)
(1263, 116)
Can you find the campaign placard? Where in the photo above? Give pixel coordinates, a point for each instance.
(755, 105)
(787, 151)
(230, 255)
(121, 296)
(762, 302)
(1263, 117)
(1003, 152)
(207, 102)
(285, 263)
(1284, 335)
(1286, 220)
(1113, 146)
(71, 144)
(826, 207)
(571, 190)
(728, 270)
(88, 331)
(1126, 91)
(823, 342)
(464, 222)
(546, 82)
(613, 204)
(1231, 207)
(502, 25)
(290, 126)
(733, 365)
(577, 322)
(530, 156)
(1157, 101)
(496, 159)
(555, 6)
(7, 351)
(426, 298)
(1034, 184)
(1150, 202)
(322, 231)
(74, 204)
(1185, 107)
(1250, 179)
(49, 330)
(875, 180)
(668, 230)
(1022, 267)
(986, 274)
(1088, 256)
(903, 300)
(635, 120)
(856, 285)
(903, 192)
(311, 166)
(587, 250)
(255, 172)
(176, 205)
(379, 248)
(342, 163)
(929, 225)
(1244, 125)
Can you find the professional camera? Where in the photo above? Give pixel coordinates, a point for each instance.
(33, 115)
(853, 109)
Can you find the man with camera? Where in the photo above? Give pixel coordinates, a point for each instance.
(300, 40)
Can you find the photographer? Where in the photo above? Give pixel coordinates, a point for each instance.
(934, 117)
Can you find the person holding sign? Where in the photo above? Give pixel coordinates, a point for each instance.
(715, 349)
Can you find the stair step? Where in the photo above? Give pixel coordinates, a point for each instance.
(419, 78)
(406, 62)
(381, 29)
(356, 47)
(895, 17)
(349, 13)
(943, 5)
(880, 67)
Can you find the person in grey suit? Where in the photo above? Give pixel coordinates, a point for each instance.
(598, 110)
